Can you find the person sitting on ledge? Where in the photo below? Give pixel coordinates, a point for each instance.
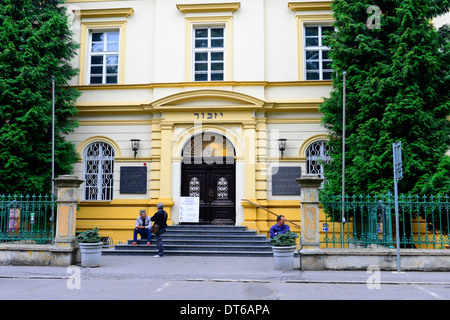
(279, 227)
(143, 225)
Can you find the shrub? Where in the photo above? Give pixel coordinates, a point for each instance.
(89, 236)
(284, 239)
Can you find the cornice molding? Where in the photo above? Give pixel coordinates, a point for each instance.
(209, 7)
(104, 13)
(310, 6)
(205, 84)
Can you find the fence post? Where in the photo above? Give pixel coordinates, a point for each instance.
(66, 247)
(67, 187)
(311, 256)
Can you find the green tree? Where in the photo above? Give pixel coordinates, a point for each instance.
(35, 44)
(397, 88)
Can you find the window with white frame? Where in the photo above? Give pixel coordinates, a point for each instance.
(317, 154)
(209, 53)
(104, 56)
(317, 61)
(98, 172)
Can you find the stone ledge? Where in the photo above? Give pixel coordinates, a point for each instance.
(385, 251)
(385, 259)
(37, 255)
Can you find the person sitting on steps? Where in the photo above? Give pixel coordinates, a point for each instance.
(143, 225)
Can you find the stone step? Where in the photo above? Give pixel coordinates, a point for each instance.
(169, 252)
(207, 238)
(201, 240)
(212, 228)
(203, 247)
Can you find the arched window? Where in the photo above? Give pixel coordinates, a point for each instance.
(208, 147)
(98, 172)
(316, 154)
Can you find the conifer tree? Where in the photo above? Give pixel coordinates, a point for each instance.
(397, 88)
(35, 44)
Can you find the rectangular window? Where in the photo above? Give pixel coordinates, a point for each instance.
(317, 61)
(209, 53)
(104, 57)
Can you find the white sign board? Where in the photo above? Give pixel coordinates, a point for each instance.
(189, 209)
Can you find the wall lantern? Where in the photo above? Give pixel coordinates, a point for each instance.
(282, 146)
(135, 146)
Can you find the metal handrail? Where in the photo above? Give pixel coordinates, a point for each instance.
(257, 205)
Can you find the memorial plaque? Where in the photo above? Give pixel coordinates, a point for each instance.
(283, 181)
(133, 179)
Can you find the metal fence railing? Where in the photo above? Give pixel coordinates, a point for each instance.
(369, 221)
(26, 219)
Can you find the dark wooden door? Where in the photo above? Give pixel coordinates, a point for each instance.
(214, 184)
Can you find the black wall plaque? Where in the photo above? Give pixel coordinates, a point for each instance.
(133, 179)
(283, 181)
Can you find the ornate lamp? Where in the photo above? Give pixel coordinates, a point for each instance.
(282, 146)
(135, 146)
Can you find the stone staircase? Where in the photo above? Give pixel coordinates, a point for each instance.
(201, 240)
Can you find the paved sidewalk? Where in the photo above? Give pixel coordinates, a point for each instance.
(202, 268)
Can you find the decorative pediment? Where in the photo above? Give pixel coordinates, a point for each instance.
(199, 99)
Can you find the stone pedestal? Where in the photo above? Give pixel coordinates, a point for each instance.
(311, 256)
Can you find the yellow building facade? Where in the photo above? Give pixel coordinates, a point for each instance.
(208, 88)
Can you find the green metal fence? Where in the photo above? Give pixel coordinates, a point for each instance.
(26, 219)
(369, 221)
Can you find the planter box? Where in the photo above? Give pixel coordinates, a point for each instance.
(283, 257)
(90, 254)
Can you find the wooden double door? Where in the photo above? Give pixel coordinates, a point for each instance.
(214, 184)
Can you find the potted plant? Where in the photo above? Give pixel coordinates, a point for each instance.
(283, 247)
(90, 247)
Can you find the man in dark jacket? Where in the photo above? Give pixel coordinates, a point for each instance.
(279, 227)
(160, 218)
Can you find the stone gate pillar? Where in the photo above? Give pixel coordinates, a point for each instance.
(66, 247)
(311, 256)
